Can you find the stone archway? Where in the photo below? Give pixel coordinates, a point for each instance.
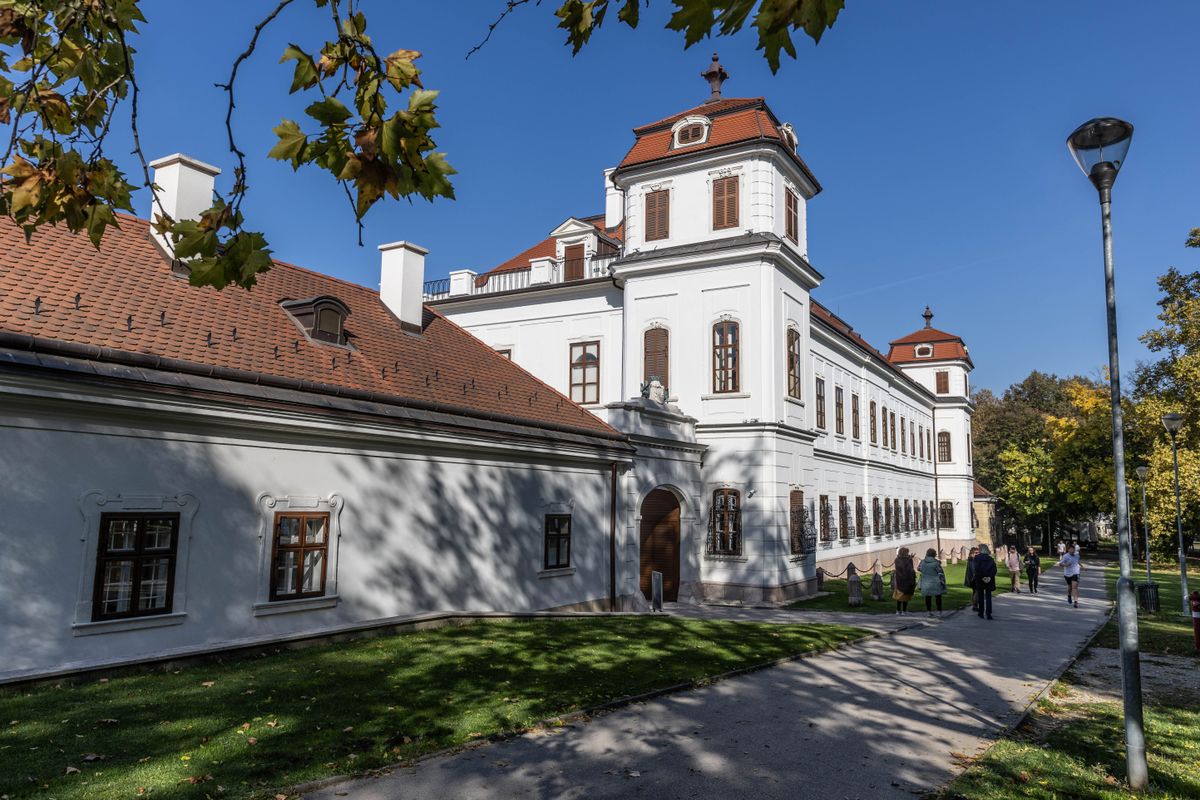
(659, 538)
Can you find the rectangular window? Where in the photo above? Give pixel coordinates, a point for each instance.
(820, 399)
(943, 446)
(726, 357)
(791, 215)
(912, 439)
(844, 517)
(883, 425)
(929, 442)
(860, 516)
(794, 359)
(658, 215)
(946, 515)
(854, 427)
(656, 353)
(557, 548)
(903, 436)
(298, 555)
(921, 441)
(725, 203)
(893, 431)
(797, 519)
(135, 567)
(968, 448)
(825, 532)
(839, 410)
(573, 262)
(887, 515)
(877, 516)
(873, 426)
(507, 353)
(943, 382)
(725, 534)
(585, 372)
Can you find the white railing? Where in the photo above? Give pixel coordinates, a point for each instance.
(463, 283)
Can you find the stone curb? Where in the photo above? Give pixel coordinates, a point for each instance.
(564, 719)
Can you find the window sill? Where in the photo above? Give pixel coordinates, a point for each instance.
(729, 558)
(557, 572)
(796, 401)
(725, 396)
(799, 558)
(130, 624)
(272, 608)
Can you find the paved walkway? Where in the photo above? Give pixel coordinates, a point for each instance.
(882, 719)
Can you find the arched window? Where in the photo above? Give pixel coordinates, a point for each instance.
(656, 352)
(943, 446)
(725, 529)
(726, 357)
(585, 372)
(946, 515)
(794, 360)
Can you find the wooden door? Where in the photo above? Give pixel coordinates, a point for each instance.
(573, 266)
(660, 542)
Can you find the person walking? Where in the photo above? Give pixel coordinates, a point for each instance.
(1062, 548)
(933, 581)
(985, 580)
(1071, 567)
(1033, 568)
(1013, 561)
(904, 580)
(969, 581)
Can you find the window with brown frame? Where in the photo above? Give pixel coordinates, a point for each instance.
(825, 532)
(929, 443)
(887, 515)
(135, 565)
(912, 439)
(573, 262)
(907, 516)
(876, 516)
(943, 382)
(795, 357)
(874, 428)
(725, 530)
(921, 441)
(968, 448)
(844, 517)
(299, 550)
(883, 426)
(839, 410)
(903, 436)
(656, 356)
(819, 395)
(893, 431)
(860, 516)
(797, 519)
(690, 133)
(943, 446)
(855, 431)
(585, 372)
(791, 215)
(946, 515)
(658, 214)
(557, 545)
(507, 353)
(726, 357)
(725, 203)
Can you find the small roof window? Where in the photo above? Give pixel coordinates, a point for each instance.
(923, 351)
(321, 318)
(690, 131)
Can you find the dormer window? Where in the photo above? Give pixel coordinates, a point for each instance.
(923, 351)
(321, 318)
(690, 131)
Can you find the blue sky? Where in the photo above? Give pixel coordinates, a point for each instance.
(936, 128)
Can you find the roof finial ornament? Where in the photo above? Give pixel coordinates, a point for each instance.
(928, 315)
(715, 75)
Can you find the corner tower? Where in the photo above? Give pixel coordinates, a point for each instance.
(941, 363)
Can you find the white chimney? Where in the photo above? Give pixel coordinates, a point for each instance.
(185, 188)
(402, 282)
(614, 201)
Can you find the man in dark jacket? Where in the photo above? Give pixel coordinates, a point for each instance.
(969, 581)
(985, 579)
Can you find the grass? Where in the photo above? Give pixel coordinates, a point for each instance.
(956, 595)
(1085, 757)
(239, 728)
(1167, 632)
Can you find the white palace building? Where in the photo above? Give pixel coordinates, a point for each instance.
(770, 437)
(188, 471)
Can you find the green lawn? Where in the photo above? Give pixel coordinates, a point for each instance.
(1167, 632)
(1085, 758)
(956, 595)
(239, 728)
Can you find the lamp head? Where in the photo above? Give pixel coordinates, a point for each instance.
(1142, 472)
(1099, 147)
(1172, 422)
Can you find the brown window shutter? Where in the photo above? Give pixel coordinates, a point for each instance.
(573, 266)
(725, 203)
(658, 214)
(792, 216)
(657, 355)
(943, 382)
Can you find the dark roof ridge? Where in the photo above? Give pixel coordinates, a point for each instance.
(854, 338)
(735, 104)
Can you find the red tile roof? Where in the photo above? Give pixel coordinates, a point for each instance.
(843, 329)
(126, 284)
(946, 347)
(546, 248)
(982, 493)
(734, 121)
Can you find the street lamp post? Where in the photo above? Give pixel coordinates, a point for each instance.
(1099, 147)
(1142, 472)
(1173, 422)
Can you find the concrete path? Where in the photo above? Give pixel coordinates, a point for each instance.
(883, 719)
(880, 623)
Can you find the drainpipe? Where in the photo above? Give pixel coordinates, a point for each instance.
(612, 538)
(937, 504)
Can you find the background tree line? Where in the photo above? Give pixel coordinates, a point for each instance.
(1045, 448)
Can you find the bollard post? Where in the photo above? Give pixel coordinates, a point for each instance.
(656, 591)
(820, 579)
(854, 583)
(876, 586)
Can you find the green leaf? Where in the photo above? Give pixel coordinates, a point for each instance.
(305, 75)
(576, 18)
(695, 18)
(291, 144)
(329, 111)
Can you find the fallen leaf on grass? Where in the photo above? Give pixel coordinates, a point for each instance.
(208, 684)
(272, 724)
(245, 726)
(1024, 776)
(93, 757)
(251, 740)
(72, 771)
(347, 729)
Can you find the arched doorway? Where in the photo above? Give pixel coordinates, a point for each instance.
(660, 542)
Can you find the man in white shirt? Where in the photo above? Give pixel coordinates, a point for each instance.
(1071, 566)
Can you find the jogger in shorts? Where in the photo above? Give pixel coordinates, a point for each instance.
(1070, 564)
